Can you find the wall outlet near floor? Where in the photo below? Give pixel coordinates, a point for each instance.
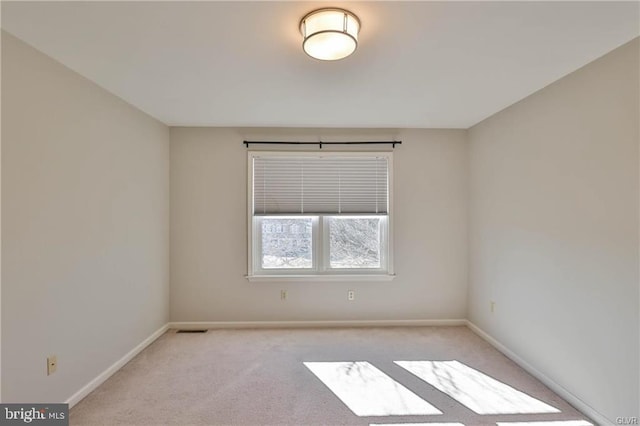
(351, 295)
(283, 294)
(492, 306)
(52, 364)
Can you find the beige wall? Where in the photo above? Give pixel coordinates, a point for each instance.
(209, 233)
(554, 231)
(85, 226)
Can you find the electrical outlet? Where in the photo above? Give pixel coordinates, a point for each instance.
(283, 294)
(351, 295)
(493, 306)
(52, 364)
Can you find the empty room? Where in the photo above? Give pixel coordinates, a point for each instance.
(320, 213)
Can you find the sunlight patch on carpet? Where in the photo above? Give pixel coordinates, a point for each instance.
(367, 391)
(552, 423)
(475, 390)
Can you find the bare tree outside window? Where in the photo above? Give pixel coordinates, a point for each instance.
(354, 242)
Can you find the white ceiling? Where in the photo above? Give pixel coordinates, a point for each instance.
(418, 64)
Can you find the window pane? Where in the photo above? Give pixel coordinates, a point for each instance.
(354, 242)
(286, 243)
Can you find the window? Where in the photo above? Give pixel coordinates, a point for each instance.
(319, 214)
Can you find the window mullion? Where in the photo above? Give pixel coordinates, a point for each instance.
(320, 246)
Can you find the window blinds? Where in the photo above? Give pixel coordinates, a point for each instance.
(322, 185)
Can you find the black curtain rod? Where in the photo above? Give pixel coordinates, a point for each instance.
(392, 143)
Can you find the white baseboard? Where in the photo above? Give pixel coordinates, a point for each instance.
(102, 377)
(579, 404)
(314, 324)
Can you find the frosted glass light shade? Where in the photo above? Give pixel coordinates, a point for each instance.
(330, 34)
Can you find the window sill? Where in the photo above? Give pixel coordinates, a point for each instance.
(319, 278)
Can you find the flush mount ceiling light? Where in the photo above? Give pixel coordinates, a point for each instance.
(330, 33)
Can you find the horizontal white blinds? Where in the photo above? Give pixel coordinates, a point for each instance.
(292, 185)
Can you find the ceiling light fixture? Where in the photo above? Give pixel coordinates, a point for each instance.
(330, 33)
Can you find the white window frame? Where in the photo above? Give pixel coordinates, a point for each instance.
(321, 270)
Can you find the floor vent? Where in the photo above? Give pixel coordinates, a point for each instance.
(192, 331)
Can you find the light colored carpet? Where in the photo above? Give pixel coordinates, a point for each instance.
(257, 377)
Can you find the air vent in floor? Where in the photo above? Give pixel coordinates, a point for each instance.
(191, 331)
